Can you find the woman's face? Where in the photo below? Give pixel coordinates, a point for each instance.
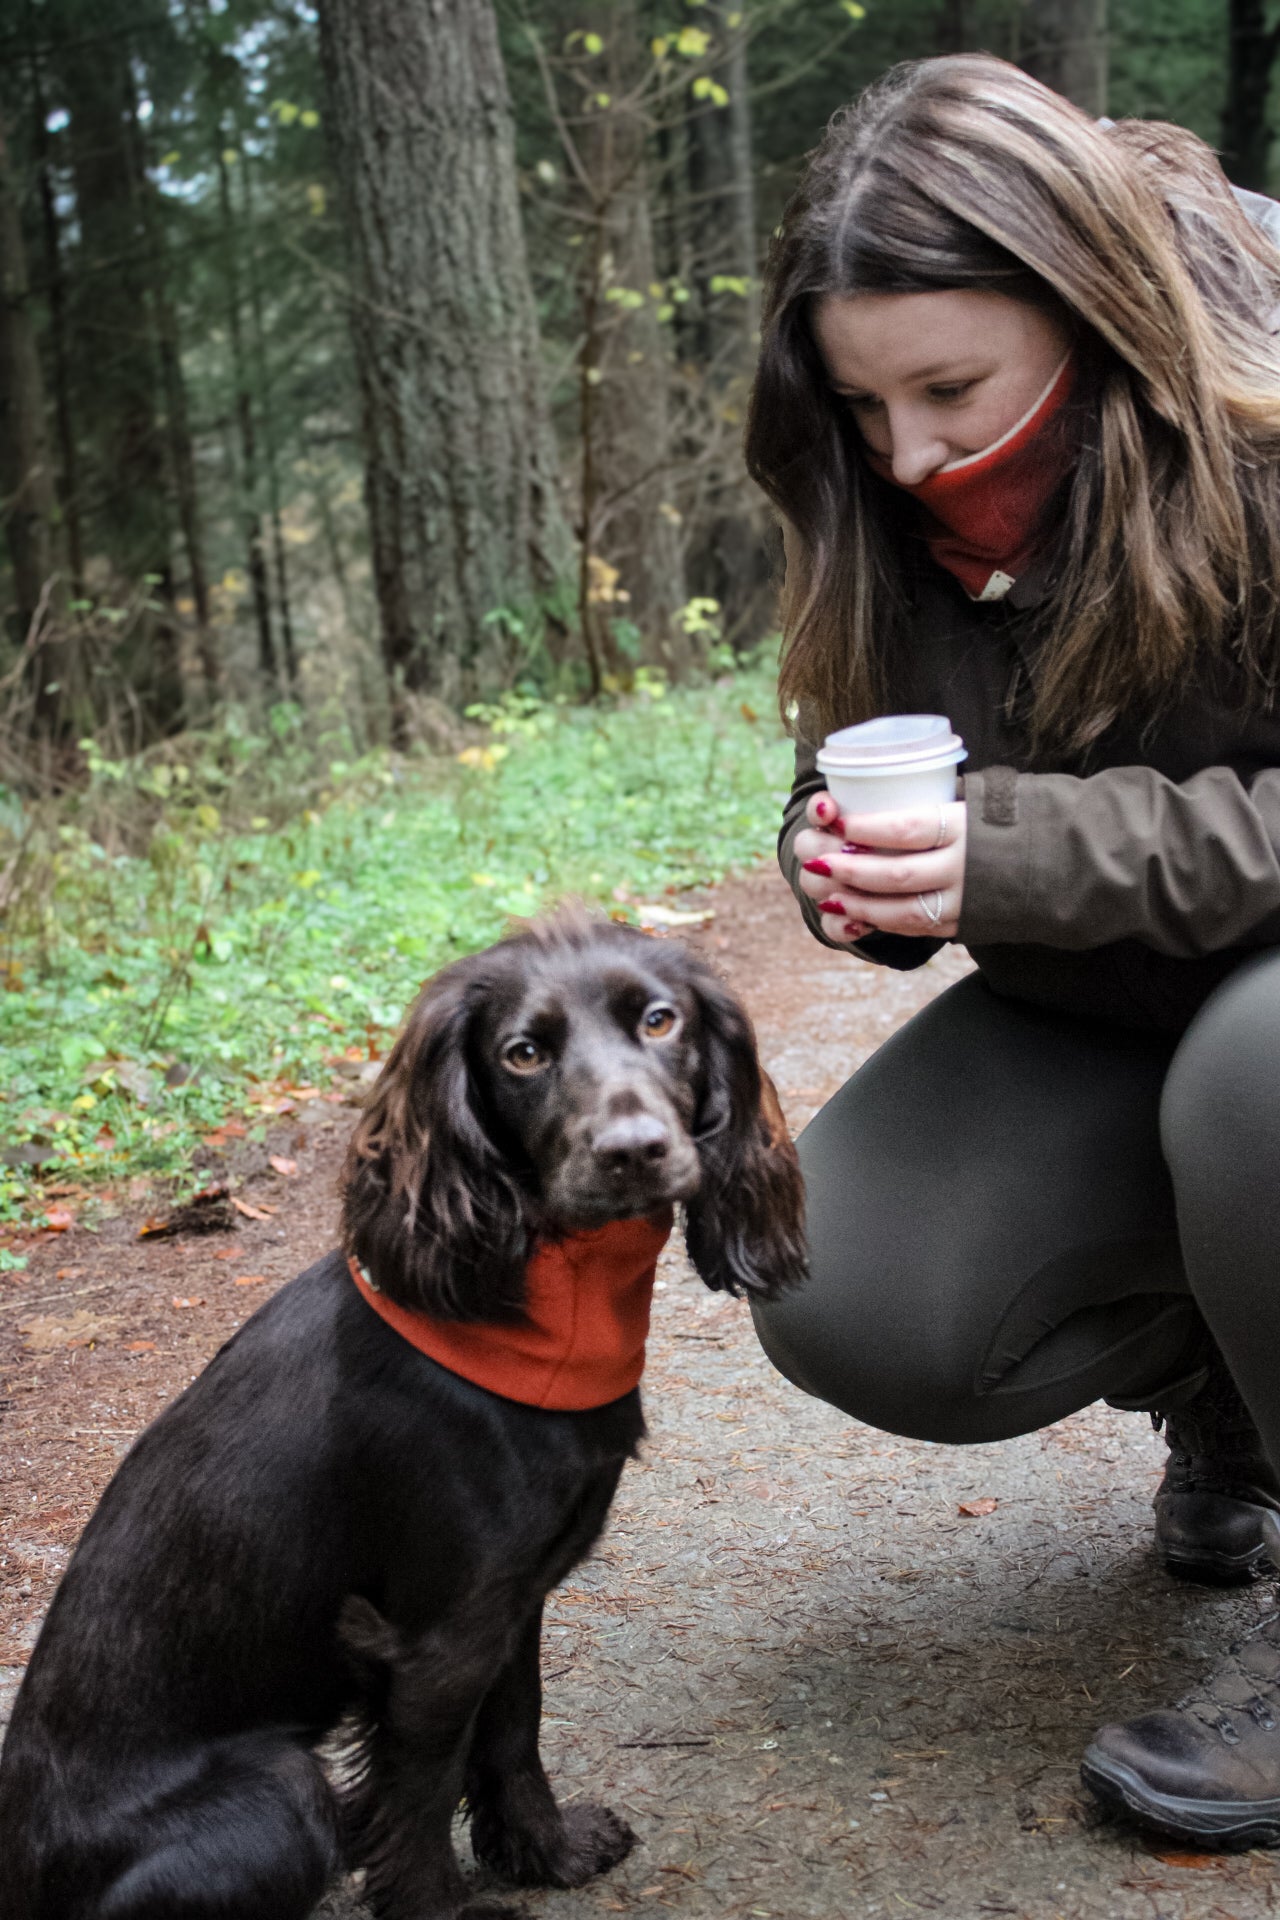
(933, 377)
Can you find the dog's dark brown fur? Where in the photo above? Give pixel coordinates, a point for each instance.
(328, 1529)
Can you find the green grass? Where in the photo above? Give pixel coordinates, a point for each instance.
(253, 957)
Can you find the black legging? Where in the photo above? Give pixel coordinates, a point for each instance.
(1014, 1213)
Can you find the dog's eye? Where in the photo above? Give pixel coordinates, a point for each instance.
(658, 1022)
(525, 1056)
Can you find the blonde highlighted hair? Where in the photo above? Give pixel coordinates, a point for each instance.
(965, 172)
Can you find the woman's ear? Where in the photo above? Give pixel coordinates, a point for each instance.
(429, 1209)
(744, 1228)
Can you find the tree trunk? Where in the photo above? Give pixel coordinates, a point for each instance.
(28, 501)
(952, 29)
(118, 374)
(59, 339)
(460, 464)
(1065, 45)
(250, 515)
(266, 412)
(629, 524)
(1246, 134)
(177, 422)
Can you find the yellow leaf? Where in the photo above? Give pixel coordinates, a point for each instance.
(854, 11)
(658, 47)
(309, 878)
(592, 44)
(209, 818)
(483, 880)
(84, 1101)
(310, 118)
(229, 156)
(692, 42)
(315, 200)
(171, 158)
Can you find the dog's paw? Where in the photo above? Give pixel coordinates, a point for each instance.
(594, 1840)
(585, 1840)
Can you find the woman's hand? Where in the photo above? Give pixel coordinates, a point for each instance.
(883, 872)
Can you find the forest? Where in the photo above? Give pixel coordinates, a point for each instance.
(378, 559)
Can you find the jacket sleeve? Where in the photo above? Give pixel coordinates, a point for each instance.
(885, 949)
(1126, 854)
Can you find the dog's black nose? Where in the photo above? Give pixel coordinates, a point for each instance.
(631, 1142)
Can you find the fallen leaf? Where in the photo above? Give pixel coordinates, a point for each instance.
(251, 1212)
(977, 1509)
(251, 1280)
(69, 1273)
(229, 1253)
(1200, 1861)
(59, 1219)
(141, 1346)
(282, 1165)
(47, 1331)
(180, 1300)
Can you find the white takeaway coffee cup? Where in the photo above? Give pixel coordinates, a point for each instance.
(903, 761)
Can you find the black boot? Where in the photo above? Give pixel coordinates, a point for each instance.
(1208, 1770)
(1216, 1487)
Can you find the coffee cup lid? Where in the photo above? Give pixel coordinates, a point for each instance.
(915, 739)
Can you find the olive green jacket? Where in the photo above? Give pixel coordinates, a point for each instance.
(1125, 887)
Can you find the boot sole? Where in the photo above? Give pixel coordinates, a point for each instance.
(1215, 1570)
(1218, 1826)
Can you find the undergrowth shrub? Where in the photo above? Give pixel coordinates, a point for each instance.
(230, 913)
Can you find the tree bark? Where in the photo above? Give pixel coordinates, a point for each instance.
(117, 368)
(28, 500)
(271, 455)
(177, 423)
(1246, 133)
(59, 340)
(1065, 45)
(461, 470)
(628, 520)
(246, 434)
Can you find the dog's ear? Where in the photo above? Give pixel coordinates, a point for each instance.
(744, 1227)
(429, 1209)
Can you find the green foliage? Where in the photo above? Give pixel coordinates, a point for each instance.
(159, 985)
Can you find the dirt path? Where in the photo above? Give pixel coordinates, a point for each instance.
(813, 1685)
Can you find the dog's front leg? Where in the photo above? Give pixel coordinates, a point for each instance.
(407, 1770)
(517, 1829)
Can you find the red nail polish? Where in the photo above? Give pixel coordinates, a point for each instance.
(818, 866)
(831, 906)
(854, 929)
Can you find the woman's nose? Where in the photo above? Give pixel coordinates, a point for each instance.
(916, 451)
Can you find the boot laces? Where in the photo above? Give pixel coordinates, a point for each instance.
(1204, 1703)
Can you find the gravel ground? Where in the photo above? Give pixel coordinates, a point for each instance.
(813, 1684)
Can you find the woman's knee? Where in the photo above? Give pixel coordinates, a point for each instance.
(1220, 1107)
(871, 1343)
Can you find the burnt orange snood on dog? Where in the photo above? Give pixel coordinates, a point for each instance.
(581, 1342)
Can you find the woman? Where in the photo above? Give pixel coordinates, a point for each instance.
(1019, 408)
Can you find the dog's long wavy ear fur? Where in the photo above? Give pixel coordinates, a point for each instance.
(744, 1228)
(429, 1209)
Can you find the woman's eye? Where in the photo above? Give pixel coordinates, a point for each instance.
(524, 1056)
(658, 1022)
(955, 392)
